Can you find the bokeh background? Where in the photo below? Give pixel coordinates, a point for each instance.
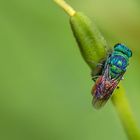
(44, 83)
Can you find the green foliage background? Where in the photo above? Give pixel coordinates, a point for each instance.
(45, 84)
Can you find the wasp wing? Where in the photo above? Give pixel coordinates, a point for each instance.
(101, 91)
(104, 87)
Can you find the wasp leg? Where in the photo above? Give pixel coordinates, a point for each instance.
(95, 77)
(96, 63)
(98, 70)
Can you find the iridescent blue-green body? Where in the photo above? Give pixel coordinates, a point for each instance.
(118, 60)
(112, 72)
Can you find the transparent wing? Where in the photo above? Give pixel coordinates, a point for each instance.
(100, 93)
(99, 103)
(104, 88)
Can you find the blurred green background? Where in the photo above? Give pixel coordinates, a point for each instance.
(45, 84)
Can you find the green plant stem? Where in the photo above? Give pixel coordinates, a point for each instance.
(92, 47)
(125, 113)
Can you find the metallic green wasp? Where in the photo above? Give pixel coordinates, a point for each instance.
(112, 72)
